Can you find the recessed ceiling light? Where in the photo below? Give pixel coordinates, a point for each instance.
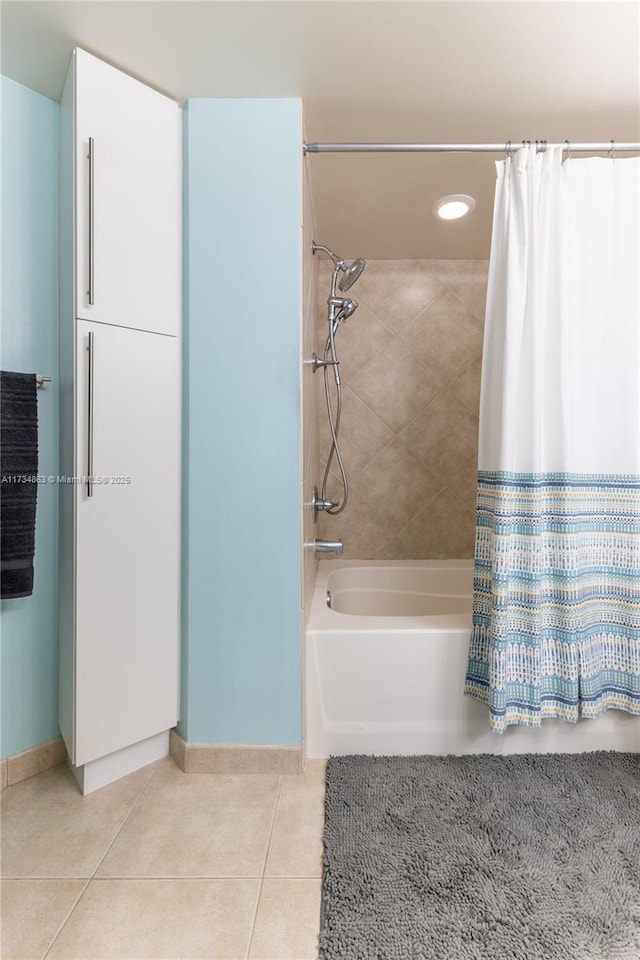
(452, 207)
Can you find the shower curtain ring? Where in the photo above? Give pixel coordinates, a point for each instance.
(508, 148)
(611, 153)
(568, 149)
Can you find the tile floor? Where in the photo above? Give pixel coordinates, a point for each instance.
(163, 865)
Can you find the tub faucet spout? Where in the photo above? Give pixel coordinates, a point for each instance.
(329, 546)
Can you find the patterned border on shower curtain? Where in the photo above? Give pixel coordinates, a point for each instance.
(556, 620)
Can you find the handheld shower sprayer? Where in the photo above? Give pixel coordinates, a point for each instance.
(340, 308)
(350, 306)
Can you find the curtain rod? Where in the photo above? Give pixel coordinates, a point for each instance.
(610, 146)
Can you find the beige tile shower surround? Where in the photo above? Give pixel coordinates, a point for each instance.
(162, 865)
(410, 365)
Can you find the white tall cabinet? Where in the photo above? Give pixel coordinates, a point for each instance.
(120, 297)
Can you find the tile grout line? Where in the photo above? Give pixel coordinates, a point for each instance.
(372, 412)
(418, 462)
(448, 384)
(478, 356)
(264, 868)
(399, 335)
(100, 862)
(396, 531)
(376, 312)
(396, 436)
(414, 517)
(138, 878)
(126, 820)
(354, 493)
(457, 295)
(445, 386)
(66, 918)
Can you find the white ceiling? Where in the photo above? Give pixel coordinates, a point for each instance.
(378, 70)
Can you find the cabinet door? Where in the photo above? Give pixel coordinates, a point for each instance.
(128, 200)
(127, 539)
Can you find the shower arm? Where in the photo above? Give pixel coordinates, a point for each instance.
(338, 263)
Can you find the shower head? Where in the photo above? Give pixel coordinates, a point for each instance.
(351, 271)
(350, 306)
(351, 274)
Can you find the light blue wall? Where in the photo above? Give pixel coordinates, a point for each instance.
(29, 327)
(241, 551)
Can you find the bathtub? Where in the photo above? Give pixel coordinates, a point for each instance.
(385, 665)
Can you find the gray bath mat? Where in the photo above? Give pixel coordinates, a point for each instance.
(532, 857)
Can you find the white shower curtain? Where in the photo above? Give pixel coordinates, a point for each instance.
(556, 624)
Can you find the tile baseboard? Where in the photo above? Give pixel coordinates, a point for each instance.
(233, 758)
(190, 757)
(31, 762)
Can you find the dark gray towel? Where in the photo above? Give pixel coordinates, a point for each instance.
(18, 463)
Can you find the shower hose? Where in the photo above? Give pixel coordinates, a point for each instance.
(334, 420)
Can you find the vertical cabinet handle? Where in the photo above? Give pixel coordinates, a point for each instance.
(90, 385)
(91, 159)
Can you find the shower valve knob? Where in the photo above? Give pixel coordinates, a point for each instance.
(316, 362)
(319, 504)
